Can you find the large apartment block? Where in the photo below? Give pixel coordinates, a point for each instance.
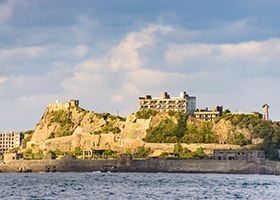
(9, 141)
(184, 103)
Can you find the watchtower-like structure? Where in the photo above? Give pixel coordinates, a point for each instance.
(265, 111)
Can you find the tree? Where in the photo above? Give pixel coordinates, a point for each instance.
(177, 148)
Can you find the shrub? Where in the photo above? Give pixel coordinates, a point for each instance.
(142, 152)
(145, 114)
(52, 135)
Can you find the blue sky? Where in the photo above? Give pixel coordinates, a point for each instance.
(108, 53)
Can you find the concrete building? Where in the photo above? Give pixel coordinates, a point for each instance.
(184, 103)
(238, 154)
(9, 141)
(265, 112)
(63, 105)
(209, 115)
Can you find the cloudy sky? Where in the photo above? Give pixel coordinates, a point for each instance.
(108, 53)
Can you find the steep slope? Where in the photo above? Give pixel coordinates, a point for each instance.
(74, 120)
(66, 129)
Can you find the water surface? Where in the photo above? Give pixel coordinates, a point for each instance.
(138, 186)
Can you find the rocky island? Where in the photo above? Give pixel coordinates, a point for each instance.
(70, 138)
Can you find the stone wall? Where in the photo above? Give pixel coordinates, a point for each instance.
(125, 164)
(112, 141)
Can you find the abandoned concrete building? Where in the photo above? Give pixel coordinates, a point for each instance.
(9, 141)
(209, 115)
(64, 105)
(265, 112)
(238, 154)
(184, 103)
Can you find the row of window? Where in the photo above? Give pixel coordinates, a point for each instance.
(7, 138)
(4, 149)
(7, 142)
(7, 135)
(213, 115)
(162, 101)
(6, 146)
(164, 106)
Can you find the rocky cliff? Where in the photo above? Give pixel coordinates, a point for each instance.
(73, 127)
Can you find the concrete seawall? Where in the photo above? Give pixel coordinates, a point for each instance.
(68, 164)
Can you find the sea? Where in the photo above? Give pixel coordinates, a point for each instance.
(96, 185)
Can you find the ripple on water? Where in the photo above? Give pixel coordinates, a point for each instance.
(138, 186)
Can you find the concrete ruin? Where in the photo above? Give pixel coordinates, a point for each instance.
(184, 103)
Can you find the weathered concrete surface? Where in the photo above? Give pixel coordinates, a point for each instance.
(112, 141)
(68, 164)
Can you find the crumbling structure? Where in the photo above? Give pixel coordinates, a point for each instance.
(265, 111)
(9, 141)
(64, 105)
(209, 115)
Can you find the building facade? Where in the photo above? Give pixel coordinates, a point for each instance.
(209, 115)
(63, 105)
(238, 154)
(184, 103)
(9, 141)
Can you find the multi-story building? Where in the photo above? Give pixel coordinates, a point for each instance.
(9, 141)
(184, 103)
(209, 115)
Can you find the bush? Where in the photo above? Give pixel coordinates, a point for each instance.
(145, 114)
(52, 135)
(177, 148)
(169, 132)
(264, 129)
(108, 129)
(142, 152)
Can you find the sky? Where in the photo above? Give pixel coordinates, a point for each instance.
(108, 53)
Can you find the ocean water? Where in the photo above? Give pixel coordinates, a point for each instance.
(138, 186)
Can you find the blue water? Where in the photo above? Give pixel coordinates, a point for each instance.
(138, 186)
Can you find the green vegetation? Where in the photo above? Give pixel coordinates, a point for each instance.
(239, 139)
(52, 135)
(109, 116)
(57, 152)
(183, 153)
(145, 114)
(169, 132)
(64, 119)
(108, 129)
(186, 153)
(267, 130)
(142, 152)
(28, 154)
(13, 150)
(27, 136)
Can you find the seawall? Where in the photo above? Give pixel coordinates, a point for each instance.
(126, 164)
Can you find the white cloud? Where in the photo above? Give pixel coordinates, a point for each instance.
(24, 51)
(81, 50)
(84, 28)
(117, 98)
(248, 51)
(3, 79)
(130, 88)
(126, 55)
(6, 10)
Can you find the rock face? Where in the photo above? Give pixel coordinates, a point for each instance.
(74, 127)
(72, 121)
